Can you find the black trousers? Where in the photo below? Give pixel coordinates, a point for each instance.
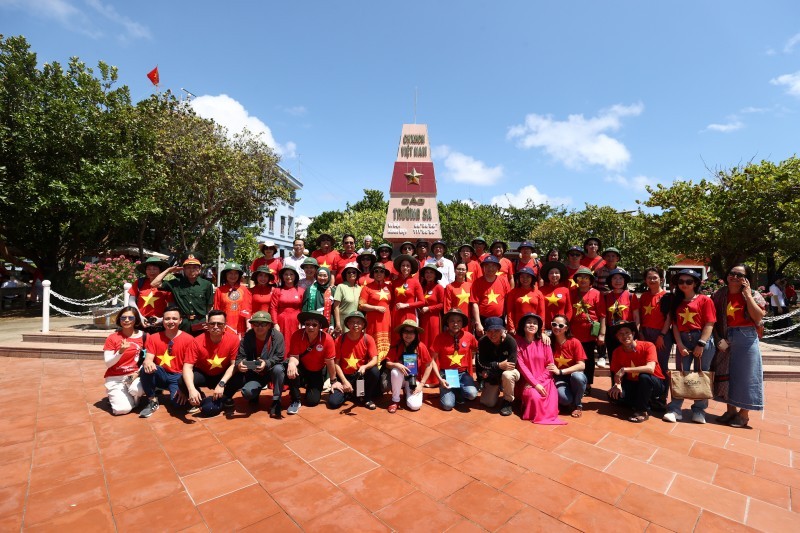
(201, 379)
(371, 383)
(251, 382)
(589, 347)
(312, 379)
(637, 394)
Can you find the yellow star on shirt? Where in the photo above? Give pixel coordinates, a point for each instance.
(634, 375)
(463, 298)
(687, 316)
(572, 283)
(617, 308)
(553, 299)
(562, 361)
(149, 299)
(582, 307)
(731, 310)
(469, 275)
(325, 265)
(648, 309)
(492, 296)
(383, 295)
(352, 362)
(216, 362)
(456, 358)
(427, 296)
(166, 359)
(400, 290)
(525, 299)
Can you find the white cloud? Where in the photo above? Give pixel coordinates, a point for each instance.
(578, 141)
(728, 127)
(230, 113)
(794, 40)
(297, 111)
(752, 109)
(637, 183)
(301, 224)
(529, 192)
(466, 169)
(73, 18)
(790, 81)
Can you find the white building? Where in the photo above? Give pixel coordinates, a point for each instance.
(280, 227)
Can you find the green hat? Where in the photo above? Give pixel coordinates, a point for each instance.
(354, 314)
(501, 243)
(405, 257)
(456, 312)
(266, 270)
(408, 243)
(583, 271)
(611, 249)
(231, 266)
(261, 316)
(160, 263)
(367, 255)
(429, 266)
(467, 245)
(379, 266)
(310, 261)
(385, 246)
(479, 239)
(313, 315)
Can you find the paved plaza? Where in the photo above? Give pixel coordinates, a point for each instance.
(69, 465)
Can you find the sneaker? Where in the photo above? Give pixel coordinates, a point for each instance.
(193, 410)
(152, 407)
(507, 409)
(293, 408)
(672, 417)
(698, 417)
(601, 363)
(275, 410)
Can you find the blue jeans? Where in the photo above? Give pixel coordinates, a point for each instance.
(161, 379)
(689, 340)
(468, 391)
(571, 388)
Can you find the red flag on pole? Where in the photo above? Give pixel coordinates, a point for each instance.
(153, 76)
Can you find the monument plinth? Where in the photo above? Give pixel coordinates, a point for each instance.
(413, 213)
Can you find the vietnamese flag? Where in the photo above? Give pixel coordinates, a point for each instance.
(153, 76)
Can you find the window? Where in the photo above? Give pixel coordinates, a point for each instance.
(272, 224)
(291, 227)
(283, 226)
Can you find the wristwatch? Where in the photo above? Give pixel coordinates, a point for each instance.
(221, 383)
(334, 380)
(702, 343)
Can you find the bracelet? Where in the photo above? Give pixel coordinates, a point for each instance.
(702, 343)
(560, 371)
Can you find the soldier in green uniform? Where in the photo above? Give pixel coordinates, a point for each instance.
(193, 294)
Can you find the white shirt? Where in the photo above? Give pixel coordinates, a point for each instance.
(777, 299)
(293, 261)
(445, 266)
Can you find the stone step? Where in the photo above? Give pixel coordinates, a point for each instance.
(89, 337)
(772, 372)
(49, 350)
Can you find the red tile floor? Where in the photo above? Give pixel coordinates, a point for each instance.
(67, 464)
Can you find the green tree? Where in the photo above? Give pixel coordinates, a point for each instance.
(740, 213)
(462, 221)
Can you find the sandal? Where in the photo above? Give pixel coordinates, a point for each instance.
(393, 408)
(638, 418)
(371, 405)
(739, 421)
(727, 417)
(577, 412)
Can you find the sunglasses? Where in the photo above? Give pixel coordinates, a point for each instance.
(684, 281)
(738, 275)
(312, 324)
(127, 319)
(216, 324)
(556, 325)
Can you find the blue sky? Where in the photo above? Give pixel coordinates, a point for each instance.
(563, 102)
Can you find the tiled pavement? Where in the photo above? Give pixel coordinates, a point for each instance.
(67, 464)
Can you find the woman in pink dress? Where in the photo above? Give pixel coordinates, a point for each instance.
(286, 302)
(539, 396)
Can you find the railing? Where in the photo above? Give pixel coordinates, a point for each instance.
(94, 302)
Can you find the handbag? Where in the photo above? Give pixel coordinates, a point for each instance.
(595, 331)
(691, 385)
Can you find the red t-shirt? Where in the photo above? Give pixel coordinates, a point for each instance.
(341, 262)
(696, 314)
(458, 354)
(650, 310)
(474, 270)
(126, 364)
(592, 263)
(556, 301)
(490, 296)
(423, 356)
(521, 301)
(275, 264)
(620, 307)
(213, 359)
(352, 355)
(591, 303)
(532, 263)
(171, 358)
(735, 311)
(329, 260)
(150, 301)
(506, 269)
(322, 348)
(456, 296)
(644, 353)
(567, 354)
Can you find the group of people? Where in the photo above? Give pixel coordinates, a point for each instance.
(362, 324)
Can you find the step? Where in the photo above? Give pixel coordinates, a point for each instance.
(90, 337)
(772, 372)
(49, 350)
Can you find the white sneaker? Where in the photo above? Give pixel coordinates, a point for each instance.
(672, 417)
(601, 363)
(698, 417)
